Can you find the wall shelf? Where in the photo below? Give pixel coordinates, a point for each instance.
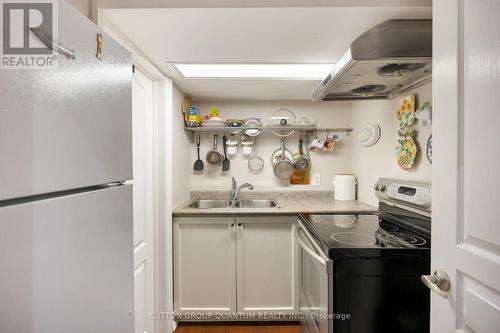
(267, 129)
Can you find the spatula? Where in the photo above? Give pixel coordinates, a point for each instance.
(198, 164)
(226, 162)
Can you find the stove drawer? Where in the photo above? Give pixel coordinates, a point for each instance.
(315, 281)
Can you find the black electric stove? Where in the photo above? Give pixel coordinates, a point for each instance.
(393, 230)
(375, 261)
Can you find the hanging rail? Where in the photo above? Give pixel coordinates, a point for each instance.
(268, 128)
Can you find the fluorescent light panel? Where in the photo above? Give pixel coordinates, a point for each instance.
(257, 71)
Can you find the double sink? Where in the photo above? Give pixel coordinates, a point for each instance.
(220, 203)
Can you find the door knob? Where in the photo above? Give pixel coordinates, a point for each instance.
(439, 282)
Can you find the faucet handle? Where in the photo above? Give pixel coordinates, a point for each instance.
(233, 184)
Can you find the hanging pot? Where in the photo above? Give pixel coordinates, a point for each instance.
(214, 157)
(301, 162)
(282, 162)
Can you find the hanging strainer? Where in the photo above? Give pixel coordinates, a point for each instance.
(255, 161)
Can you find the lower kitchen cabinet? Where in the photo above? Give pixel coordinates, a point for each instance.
(266, 253)
(204, 264)
(242, 264)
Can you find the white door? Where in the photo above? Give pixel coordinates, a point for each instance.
(142, 130)
(267, 268)
(466, 182)
(204, 265)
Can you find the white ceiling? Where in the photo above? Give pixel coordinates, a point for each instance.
(249, 35)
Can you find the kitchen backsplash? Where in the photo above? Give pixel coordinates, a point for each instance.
(327, 164)
(367, 163)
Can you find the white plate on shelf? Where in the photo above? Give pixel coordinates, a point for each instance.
(213, 123)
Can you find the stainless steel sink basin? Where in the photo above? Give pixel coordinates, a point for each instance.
(210, 203)
(257, 203)
(220, 203)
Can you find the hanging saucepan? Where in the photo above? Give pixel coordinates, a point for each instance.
(282, 162)
(214, 157)
(301, 162)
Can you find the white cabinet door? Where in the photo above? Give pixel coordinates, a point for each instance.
(266, 260)
(465, 181)
(204, 264)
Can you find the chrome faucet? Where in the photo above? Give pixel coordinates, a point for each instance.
(235, 189)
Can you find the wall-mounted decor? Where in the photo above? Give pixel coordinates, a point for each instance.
(406, 111)
(369, 135)
(424, 114)
(406, 152)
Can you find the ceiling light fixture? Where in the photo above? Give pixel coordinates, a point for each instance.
(254, 71)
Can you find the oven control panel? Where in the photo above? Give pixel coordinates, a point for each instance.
(410, 193)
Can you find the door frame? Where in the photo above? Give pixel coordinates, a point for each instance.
(162, 187)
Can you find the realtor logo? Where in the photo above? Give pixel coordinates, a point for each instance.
(28, 29)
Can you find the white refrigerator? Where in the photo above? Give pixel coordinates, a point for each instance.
(66, 243)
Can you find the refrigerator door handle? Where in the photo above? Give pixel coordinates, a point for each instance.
(49, 41)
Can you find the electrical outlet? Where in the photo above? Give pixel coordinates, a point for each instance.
(316, 179)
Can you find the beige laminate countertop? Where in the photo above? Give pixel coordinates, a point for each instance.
(288, 206)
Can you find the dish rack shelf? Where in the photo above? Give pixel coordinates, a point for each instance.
(268, 129)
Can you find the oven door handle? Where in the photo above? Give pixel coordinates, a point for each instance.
(318, 255)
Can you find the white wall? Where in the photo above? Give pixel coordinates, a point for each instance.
(370, 163)
(329, 114)
(181, 161)
(83, 6)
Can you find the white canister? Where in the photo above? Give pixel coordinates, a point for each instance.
(345, 187)
(246, 147)
(232, 147)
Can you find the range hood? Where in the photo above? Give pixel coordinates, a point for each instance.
(386, 61)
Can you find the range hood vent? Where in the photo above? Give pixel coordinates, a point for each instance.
(385, 62)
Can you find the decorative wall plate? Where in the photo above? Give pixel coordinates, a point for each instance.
(429, 149)
(369, 135)
(406, 152)
(406, 111)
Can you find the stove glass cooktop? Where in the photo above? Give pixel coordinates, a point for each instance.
(366, 231)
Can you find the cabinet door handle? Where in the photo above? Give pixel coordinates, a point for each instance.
(232, 224)
(239, 224)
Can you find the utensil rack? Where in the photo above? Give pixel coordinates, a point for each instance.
(346, 130)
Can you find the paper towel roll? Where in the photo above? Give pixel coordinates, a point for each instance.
(345, 187)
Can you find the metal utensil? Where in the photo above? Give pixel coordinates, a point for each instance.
(252, 127)
(198, 164)
(283, 167)
(226, 163)
(283, 122)
(214, 157)
(255, 161)
(301, 162)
